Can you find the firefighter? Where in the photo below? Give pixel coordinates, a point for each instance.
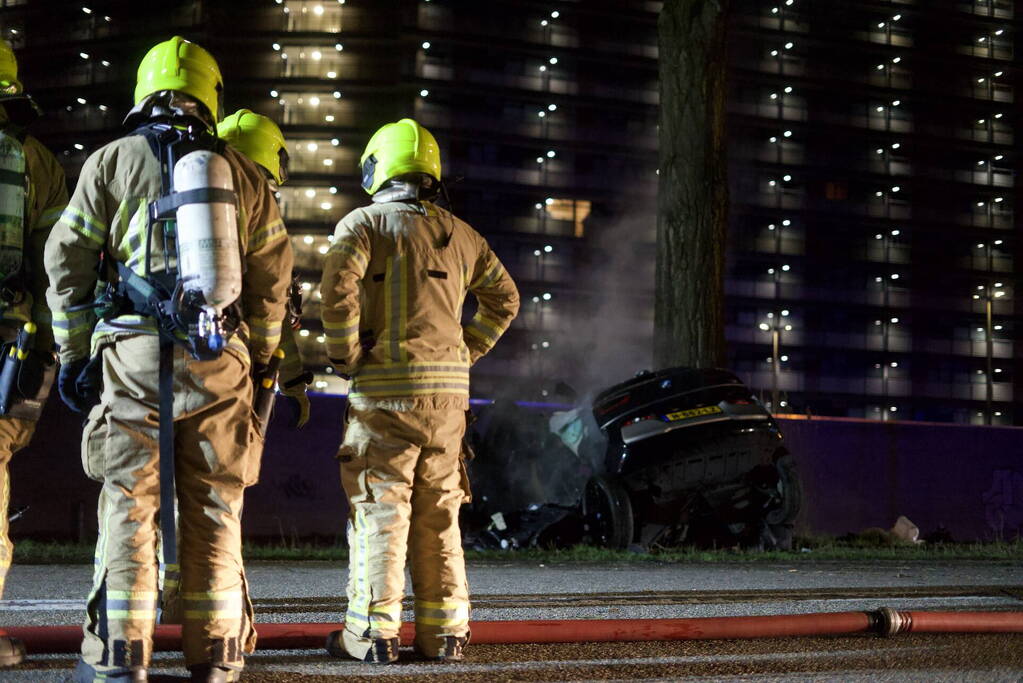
(187, 233)
(32, 195)
(259, 138)
(394, 282)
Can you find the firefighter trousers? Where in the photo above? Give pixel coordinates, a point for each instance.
(217, 452)
(405, 480)
(15, 434)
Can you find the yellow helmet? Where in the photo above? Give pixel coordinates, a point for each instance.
(396, 149)
(258, 138)
(178, 64)
(9, 84)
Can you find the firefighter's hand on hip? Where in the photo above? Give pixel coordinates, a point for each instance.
(76, 389)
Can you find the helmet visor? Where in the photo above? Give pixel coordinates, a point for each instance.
(369, 167)
(283, 161)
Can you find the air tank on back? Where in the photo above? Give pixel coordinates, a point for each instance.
(209, 255)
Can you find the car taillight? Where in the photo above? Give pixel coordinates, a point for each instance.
(639, 419)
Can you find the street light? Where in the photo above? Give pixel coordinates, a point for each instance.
(989, 292)
(776, 324)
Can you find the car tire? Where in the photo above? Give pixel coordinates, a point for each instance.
(607, 512)
(780, 519)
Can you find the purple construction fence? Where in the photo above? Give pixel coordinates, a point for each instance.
(862, 473)
(856, 474)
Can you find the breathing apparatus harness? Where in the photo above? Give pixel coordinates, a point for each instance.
(25, 373)
(181, 313)
(14, 219)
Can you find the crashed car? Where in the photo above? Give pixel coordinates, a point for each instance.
(693, 457)
(526, 483)
(678, 456)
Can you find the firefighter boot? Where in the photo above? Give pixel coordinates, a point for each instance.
(12, 651)
(84, 673)
(381, 650)
(209, 673)
(453, 650)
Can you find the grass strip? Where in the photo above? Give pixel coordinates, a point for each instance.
(809, 551)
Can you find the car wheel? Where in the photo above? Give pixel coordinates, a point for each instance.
(781, 518)
(607, 512)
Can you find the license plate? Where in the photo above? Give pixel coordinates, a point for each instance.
(694, 412)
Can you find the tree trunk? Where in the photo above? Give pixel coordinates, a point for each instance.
(692, 203)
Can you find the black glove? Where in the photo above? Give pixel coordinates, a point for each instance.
(256, 372)
(78, 389)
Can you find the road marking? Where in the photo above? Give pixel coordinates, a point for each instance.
(254, 662)
(41, 605)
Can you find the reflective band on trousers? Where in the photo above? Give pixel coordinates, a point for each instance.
(442, 613)
(129, 605)
(214, 605)
(380, 618)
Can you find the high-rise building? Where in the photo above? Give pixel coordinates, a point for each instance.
(545, 112)
(871, 261)
(874, 185)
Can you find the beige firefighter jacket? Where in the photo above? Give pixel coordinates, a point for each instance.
(394, 282)
(108, 213)
(47, 197)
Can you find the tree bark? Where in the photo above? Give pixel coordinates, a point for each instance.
(692, 203)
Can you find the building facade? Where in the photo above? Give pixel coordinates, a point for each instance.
(545, 112)
(871, 267)
(874, 193)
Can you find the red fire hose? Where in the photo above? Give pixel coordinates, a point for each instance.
(885, 621)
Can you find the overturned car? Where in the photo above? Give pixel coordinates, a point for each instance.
(680, 456)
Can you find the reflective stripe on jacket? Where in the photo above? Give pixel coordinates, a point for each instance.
(108, 212)
(394, 282)
(47, 197)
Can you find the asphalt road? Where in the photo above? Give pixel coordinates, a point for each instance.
(312, 592)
